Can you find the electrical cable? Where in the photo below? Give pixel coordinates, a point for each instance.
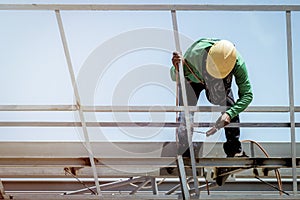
(190, 69)
(277, 173)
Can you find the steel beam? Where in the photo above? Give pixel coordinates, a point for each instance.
(176, 187)
(145, 182)
(217, 196)
(77, 98)
(59, 185)
(108, 186)
(140, 108)
(38, 107)
(86, 172)
(154, 186)
(149, 7)
(183, 179)
(2, 192)
(274, 162)
(187, 119)
(291, 96)
(76, 149)
(140, 124)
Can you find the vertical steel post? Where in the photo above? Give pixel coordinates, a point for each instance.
(252, 149)
(77, 96)
(154, 186)
(182, 178)
(291, 98)
(186, 106)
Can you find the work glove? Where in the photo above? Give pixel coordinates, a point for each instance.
(176, 59)
(222, 121)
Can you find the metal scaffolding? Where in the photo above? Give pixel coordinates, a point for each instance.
(93, 167)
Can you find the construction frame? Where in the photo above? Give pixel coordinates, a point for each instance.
(75, 166)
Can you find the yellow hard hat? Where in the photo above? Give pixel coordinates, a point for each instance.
(221, 59)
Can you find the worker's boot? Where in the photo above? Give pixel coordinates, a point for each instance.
(222, 173)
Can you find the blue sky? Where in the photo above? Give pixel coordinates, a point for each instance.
(34, 70)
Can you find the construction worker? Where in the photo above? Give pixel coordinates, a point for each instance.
(210, 65)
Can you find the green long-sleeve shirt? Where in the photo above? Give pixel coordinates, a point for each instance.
(194, 57)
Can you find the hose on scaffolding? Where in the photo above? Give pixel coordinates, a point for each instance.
(277, 173)
(278, 176)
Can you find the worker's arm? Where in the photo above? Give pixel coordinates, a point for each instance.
(244, 93)
(244, 88)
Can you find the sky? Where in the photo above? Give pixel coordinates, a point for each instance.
(123, 58)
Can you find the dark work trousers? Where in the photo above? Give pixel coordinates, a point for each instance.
(232, 145)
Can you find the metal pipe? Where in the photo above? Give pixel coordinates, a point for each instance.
(149, 7)
(291, 98)
(77, 96)
(141, 124)
(140, 186)
(188, 121)
(140, 108)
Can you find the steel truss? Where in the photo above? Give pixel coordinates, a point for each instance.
(76, 165)
(49, 162)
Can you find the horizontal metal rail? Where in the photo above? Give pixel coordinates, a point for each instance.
(150, 7)
(57, 185)
(141, 124)
(272, 162)
(139, 108)
(239, 195)
(38, 108)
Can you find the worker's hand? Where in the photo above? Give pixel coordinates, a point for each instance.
(223, 121)
(176, 59)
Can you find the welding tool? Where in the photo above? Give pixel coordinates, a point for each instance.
(222, 121)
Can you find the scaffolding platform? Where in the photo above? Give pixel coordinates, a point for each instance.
(33, 169)
(143, 170)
